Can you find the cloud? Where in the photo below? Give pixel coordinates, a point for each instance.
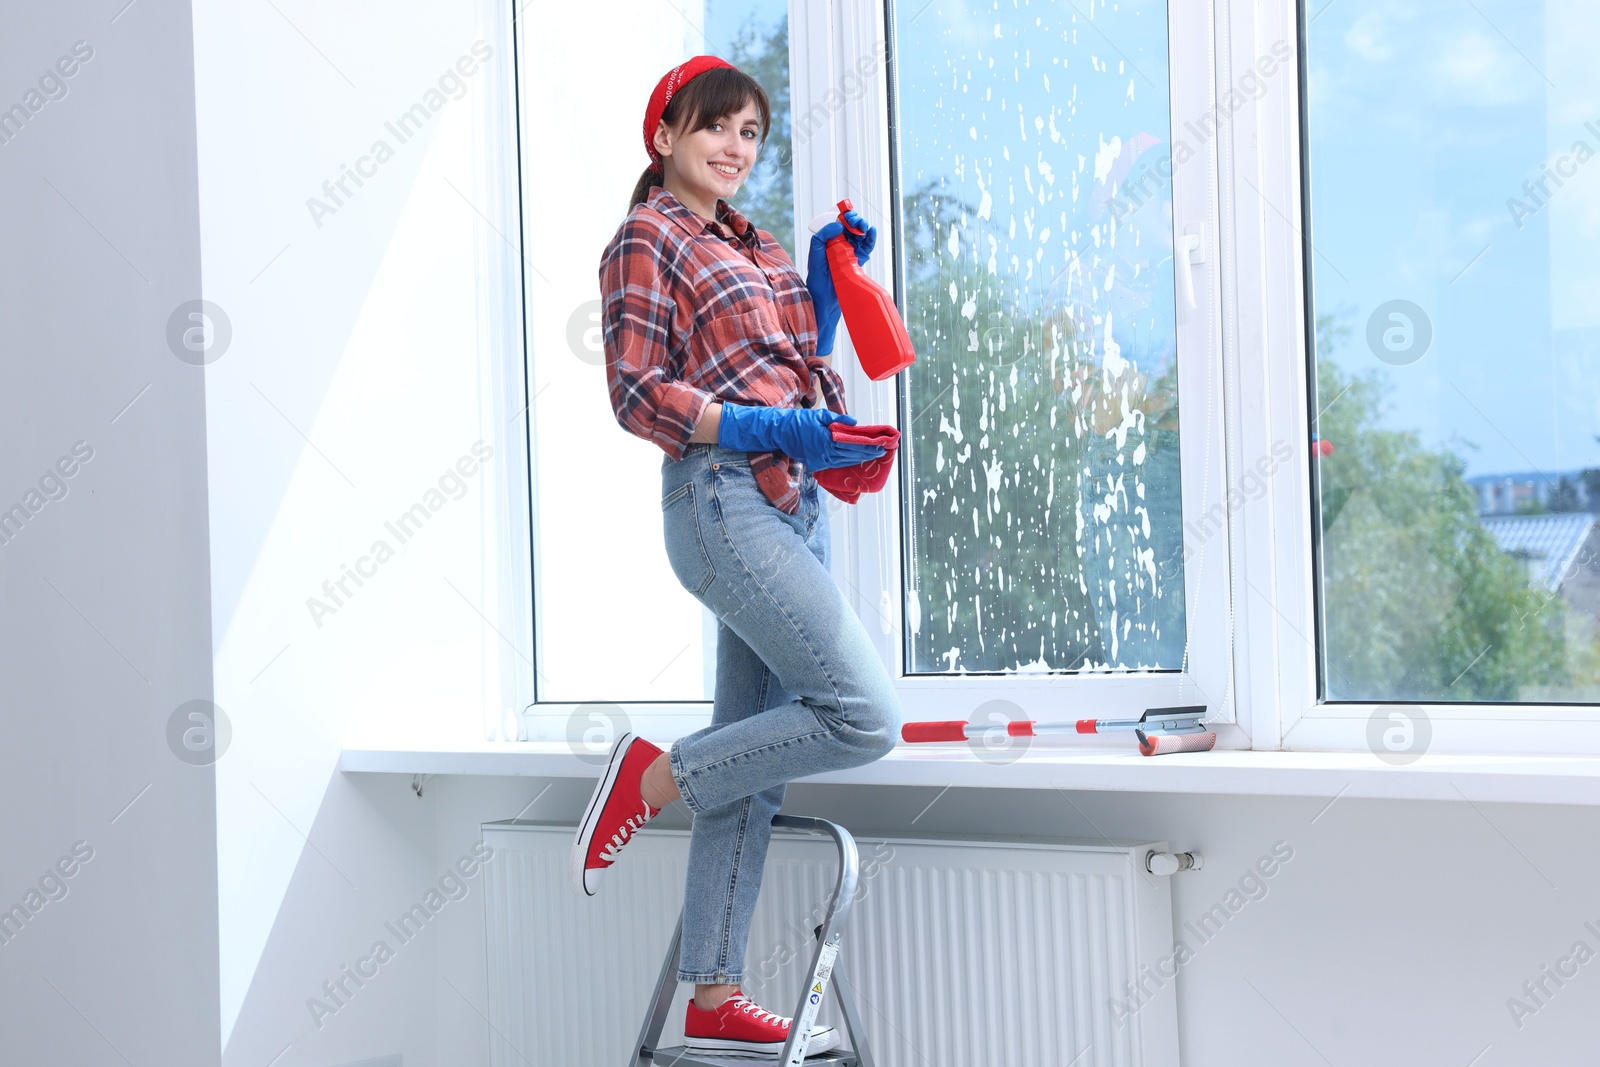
(1371, 36)
(1458, 59)
(1477, 69)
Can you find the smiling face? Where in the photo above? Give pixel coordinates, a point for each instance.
(702, 166)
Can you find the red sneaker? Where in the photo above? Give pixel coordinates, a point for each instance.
(740, 1025)
(616, 812)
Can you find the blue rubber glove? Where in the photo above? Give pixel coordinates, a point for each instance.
(820, 282)
(799, 433)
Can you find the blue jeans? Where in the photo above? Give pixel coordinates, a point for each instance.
(799, 689)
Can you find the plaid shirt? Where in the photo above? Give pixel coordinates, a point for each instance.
(696, 311)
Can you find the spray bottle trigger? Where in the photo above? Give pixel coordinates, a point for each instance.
(826, 217)
(844, 206)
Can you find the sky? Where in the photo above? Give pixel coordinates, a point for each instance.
(1425, 120)
(725, 18)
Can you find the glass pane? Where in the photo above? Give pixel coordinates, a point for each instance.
(601, 571)
(1454, 215)
(1044, 517)
(753, 35)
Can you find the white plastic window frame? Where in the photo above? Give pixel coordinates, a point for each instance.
(1253, 272)
(1278, 649)
(839, 62)
(841, 58)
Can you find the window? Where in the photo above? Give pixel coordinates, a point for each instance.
(1114, 230)
(1057, 527)
(600, 570)
(1453, 208)
(1052, 522)
(1044, 510)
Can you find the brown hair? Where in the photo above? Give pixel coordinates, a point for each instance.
(712, 95)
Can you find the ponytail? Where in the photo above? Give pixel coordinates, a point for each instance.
(651, 177)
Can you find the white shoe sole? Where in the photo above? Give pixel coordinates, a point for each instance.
(578, 877)
(821, 1041)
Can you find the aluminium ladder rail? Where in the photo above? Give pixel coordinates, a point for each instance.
(825, 968)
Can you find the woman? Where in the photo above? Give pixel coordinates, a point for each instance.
(717, 352)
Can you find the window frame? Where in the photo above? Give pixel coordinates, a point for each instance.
(1288, 631)
(868, 575)
(1255, 277)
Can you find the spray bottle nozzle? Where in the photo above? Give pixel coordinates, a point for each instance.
(844, 205)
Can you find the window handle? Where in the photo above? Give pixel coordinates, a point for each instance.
(1191, 250)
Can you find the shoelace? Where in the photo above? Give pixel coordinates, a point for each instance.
(745, 1004)
(621, 837)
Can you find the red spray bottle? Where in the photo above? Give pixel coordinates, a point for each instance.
(876, 329)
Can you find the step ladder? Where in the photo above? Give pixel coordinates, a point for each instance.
(826, 972)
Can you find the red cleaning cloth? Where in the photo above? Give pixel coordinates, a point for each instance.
(848, 483)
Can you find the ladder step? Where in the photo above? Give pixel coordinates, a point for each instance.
(680, 1056)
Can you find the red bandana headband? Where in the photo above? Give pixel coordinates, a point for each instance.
(671, 82)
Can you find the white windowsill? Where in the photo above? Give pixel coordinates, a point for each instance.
(1472, 777)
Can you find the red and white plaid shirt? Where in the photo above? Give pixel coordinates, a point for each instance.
(696, 311)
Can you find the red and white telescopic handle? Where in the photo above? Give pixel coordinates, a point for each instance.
(1159, 731)
(957, 730)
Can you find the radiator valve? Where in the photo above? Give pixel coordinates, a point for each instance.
(1165, 863)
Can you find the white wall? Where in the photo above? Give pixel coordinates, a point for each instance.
(365, 376)
(1395, 934)
(105, 616)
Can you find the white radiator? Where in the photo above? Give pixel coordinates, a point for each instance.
(963, 952)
